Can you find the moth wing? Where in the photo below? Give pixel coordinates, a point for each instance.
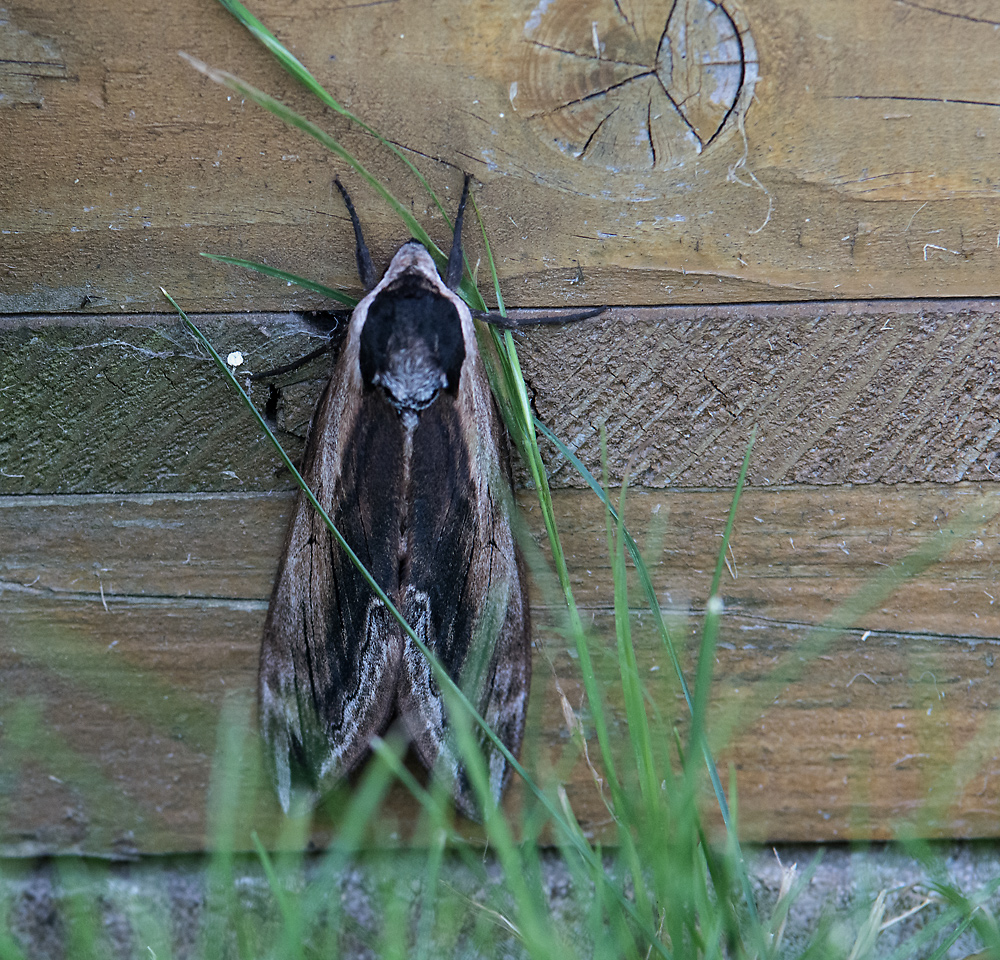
(331, 654)
(465, 593)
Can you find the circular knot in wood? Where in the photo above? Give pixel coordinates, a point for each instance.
(635, 86)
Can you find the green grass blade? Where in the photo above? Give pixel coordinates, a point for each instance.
(628, 668)
(301, 73)
(9, 949)
(651, 599)
(731, 519)
(224, 804)
(698, 739)
(539, 937)
(312, 285)
(501, 309)
(633, 548)
(81, 922)
(296, 120)
(424, 948)
(293, 119)
(291, 915)
(366, 799)
(516, 406)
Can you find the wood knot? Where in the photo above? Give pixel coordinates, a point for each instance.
(633, 86)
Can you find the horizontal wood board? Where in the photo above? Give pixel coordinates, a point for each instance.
(128, 623)
(888, 392)
(770, 151)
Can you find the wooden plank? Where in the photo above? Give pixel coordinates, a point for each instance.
(846, 149)
(841, 393)
(127, 623)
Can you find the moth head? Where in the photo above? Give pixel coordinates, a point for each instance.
(412, 345)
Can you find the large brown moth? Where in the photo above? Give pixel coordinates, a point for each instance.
(407, 454)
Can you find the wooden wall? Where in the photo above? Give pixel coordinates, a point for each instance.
(793, 216)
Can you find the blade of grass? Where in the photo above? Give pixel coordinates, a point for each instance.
(293, 119)
(515, 404)
(524, 423)
(77, 878)
(299, 71)
(920, 943)
(628, 669)
(9, 949)
(698, 739)
(366, 798)
(224, 803)
(633, 548)
(424, 947)
(292, 927)
(533, 928)
(538, 935)
(731, 519)
(149, 926)
(521, 425)
(312, 285)
(655, 822)
(945, 947)
(292, 840)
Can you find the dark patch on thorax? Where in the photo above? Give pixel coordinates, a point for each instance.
(411, 343)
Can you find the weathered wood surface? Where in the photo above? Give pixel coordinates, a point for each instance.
(779, 150)
(841, 393)
(127, 622)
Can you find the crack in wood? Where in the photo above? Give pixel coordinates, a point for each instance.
(947, 13)
(916, 99)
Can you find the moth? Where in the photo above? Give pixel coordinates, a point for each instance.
(407, 454)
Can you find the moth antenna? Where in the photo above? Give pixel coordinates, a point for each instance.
(510, 323)
(456, 262)
(366, 269)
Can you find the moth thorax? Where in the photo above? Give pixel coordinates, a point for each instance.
(411, 344)
(410, 374)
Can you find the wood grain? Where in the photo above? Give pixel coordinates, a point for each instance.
(857, 159)
(668, 161)
(887, 392)
(128, 623)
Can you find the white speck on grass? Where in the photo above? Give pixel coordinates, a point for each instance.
(235, 359)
